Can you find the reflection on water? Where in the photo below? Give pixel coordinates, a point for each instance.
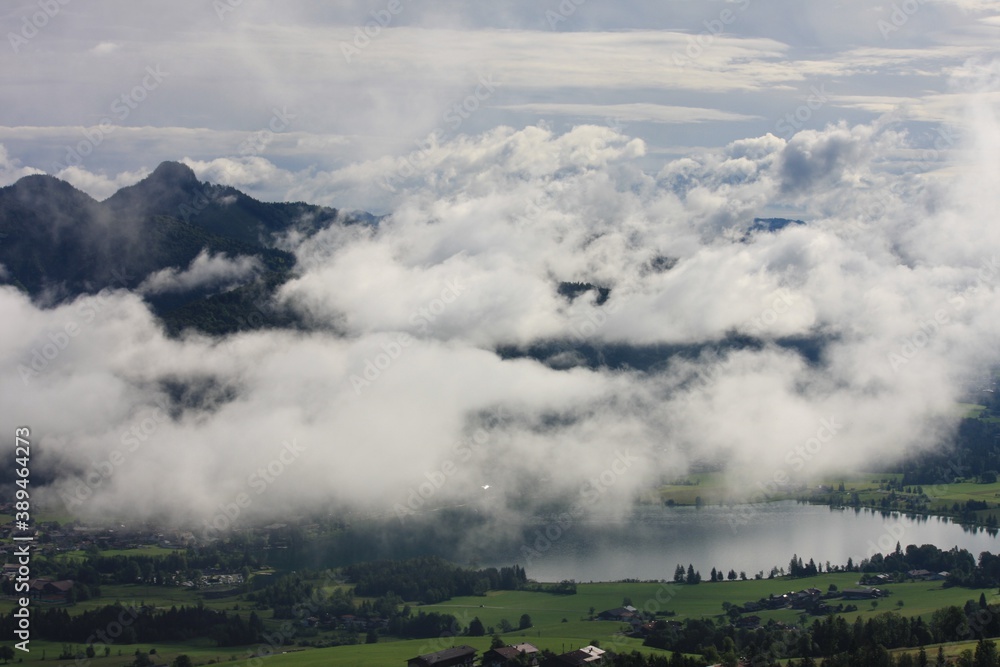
(750, 538)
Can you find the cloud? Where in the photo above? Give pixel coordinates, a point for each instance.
(205, 271)
(872, 315)
(11, 169)
(637, 112)
(400, 372)
(105, 48)
(100, 186)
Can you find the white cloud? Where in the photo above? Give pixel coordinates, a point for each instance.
(637, 112)
(11, 169)
(205, 271)
(488, 218)
(105, 48)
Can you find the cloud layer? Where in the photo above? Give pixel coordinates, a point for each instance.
(398, 383)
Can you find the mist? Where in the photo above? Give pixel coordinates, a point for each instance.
(394, 401)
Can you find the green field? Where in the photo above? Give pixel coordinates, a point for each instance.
(547, 612)
(560, 622)
(717, 488)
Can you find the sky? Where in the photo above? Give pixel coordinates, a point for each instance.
(515, 145)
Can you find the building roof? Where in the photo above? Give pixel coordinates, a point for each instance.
(445, 655)
(526, 648)
(506, 652)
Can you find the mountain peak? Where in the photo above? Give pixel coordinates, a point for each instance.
(174, 172)
(44, 184)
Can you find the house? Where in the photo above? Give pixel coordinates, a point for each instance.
(509, 655)
(624, 614)
(919, 574)
(748, 622)
(805, 598)
(46, 590)
(940, 576)
(862, 593)
(588, 655)
(462, 656)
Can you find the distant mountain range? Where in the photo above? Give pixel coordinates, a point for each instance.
(57, 242)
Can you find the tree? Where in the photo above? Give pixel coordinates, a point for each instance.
(626, 602)
(181, 661)
(731, 576)
(986, 654)
(372, 636)
(90, 652)
(132, 573)
(679, 574)
(6, 653)
(525, 622)
(496, 642)
(476, 628)
(505, 625)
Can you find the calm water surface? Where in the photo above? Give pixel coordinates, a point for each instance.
(651, 543)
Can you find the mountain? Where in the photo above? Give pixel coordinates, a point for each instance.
(57, 242)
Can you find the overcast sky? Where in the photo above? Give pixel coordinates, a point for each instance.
(346, 93)
(517, 145)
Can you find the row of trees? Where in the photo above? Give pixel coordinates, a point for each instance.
(430, 580)
(141, 625)
(832, 637)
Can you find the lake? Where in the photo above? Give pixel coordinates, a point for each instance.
(751, 538)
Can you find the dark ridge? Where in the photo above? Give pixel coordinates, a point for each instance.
(572, 290)
(652, 358)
